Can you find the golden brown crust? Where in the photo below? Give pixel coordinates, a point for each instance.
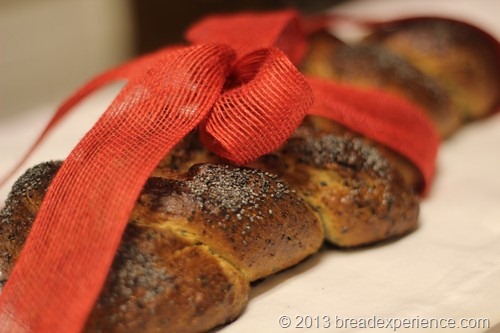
(191, 248)
(313, 126)
(372, 66)
(358, 194)
(373, 205)
(160, 281)
(249, 217)
(458, 56)
(20, 210)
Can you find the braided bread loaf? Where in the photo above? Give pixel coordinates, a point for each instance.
(200, 234)
(449, 68)
(203, 230)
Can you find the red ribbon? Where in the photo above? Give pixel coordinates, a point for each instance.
(246, 99)
(383, 117)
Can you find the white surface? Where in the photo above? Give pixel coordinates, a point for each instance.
(448, 268)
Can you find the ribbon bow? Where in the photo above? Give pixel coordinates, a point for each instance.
(239, 87)
(239, 104)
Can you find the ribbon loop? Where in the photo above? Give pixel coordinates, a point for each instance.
(265, 100)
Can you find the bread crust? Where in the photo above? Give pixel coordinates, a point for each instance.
(161, 281)
(461, 58)
(369, 65)
(193, 244)
(355, 188)
(250, 217)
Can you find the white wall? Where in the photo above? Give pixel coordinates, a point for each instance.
(50, 47)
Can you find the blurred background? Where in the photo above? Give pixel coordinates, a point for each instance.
(50, 47)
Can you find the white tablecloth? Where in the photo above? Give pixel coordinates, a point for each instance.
(448, 269)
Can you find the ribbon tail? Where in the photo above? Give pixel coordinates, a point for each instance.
(122, 72)
(383, 117)
(86, 209)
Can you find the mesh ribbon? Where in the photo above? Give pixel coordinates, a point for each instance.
(383, 117)
(238, 95)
